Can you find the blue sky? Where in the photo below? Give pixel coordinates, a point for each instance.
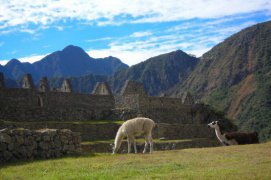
(130, 30)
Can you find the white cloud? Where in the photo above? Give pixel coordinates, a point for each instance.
(100, 39)
(3, 62)
(191, 38)
(114, 12)
(31, 59)
(141, 34)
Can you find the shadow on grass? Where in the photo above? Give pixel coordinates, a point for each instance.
(27, 161)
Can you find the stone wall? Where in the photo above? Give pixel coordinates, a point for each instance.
(17, 144)
(106, 131)
(89, 132)
(183, 131)
(30, 105)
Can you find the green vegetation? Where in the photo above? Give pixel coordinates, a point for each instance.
(231, 162)
(142, 141)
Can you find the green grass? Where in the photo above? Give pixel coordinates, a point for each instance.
(231, 162)
(141, 140)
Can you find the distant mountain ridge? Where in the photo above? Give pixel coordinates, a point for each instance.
(158, 73)
(72, 61)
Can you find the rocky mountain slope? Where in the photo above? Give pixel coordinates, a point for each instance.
(235, 76)
(157, 73)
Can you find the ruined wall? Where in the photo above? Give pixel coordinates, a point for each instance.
(2, 81)
(106, 131)
(89, 132)
(167, 110)
(30, 105)
(160, 109)
(16, 144)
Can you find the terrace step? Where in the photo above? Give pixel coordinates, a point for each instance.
(105, 147)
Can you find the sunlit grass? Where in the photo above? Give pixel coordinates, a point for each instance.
(231, 162)
(141, 140)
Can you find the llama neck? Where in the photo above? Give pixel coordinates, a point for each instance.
(119, 137)
(219, 134)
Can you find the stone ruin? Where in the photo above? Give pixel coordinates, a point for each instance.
(28, 82)
(102, 89)
(22, 144)
(43, 104)
(66, 86)
(133, 87)
(44, 85)
(2, 81)
(188, 99)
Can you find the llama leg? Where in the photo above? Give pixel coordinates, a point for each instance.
(146, 144)
(151, 143)
(134, 143)
(145, 147)
(129, 144)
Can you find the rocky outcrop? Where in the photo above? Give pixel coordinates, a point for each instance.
(17, 144)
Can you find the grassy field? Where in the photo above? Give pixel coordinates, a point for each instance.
(141, 140)
(232, 162)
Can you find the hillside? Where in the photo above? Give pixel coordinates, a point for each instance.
(157, 73)
(235, 76)
(72, 61)
(230, 162)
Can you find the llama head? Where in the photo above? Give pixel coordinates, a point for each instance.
(114, 148)
(112, 145)
(213, 124)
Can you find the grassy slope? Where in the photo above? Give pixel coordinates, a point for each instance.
(233, 162)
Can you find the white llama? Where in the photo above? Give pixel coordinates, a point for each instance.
(233, 138)
(132, 128)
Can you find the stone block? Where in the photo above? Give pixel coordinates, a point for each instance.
(5, 138)
(3, 146)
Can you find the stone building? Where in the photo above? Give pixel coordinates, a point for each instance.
(43, 85)
(102, 89)
(28, 82)
(29, 104)
(66, 86)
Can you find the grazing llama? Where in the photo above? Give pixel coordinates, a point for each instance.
(132, 128)
(234, 138)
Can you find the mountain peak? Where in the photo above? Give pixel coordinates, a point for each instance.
(13, 61)
(72, 48)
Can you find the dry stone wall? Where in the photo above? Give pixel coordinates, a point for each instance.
(30, 105)
(17, 144)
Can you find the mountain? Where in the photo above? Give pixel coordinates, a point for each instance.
(157, 73)
(15, 69)
(235, 76)
(72, 61)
